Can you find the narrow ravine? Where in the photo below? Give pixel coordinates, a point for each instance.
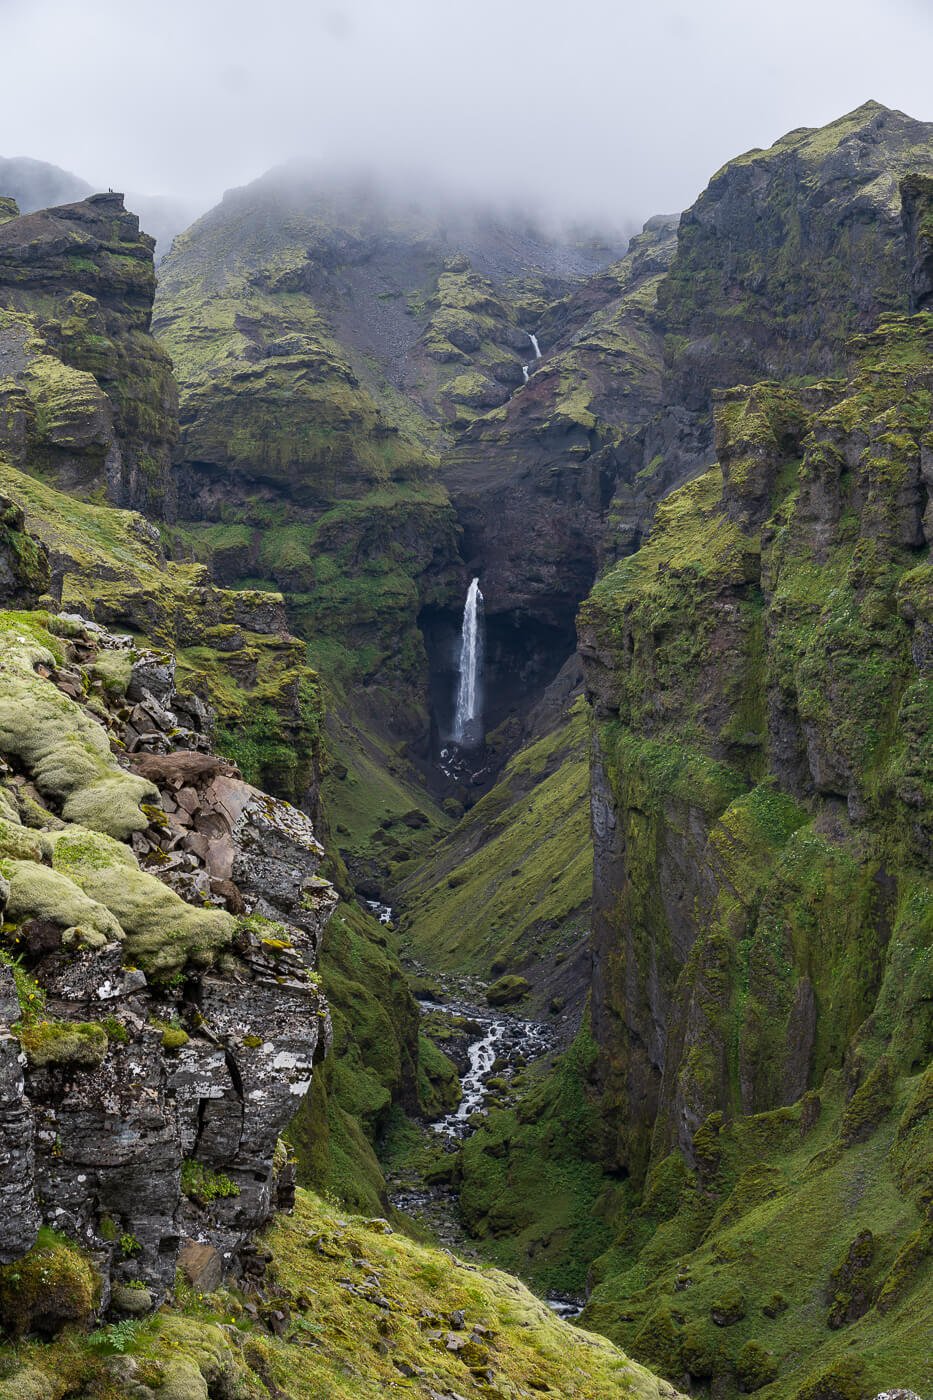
(499, 1045)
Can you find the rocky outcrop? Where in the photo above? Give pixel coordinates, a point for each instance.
(166, 1009)
(532, 481)
(25, 574)
(786, 253)
(88, 393)
(917, 206)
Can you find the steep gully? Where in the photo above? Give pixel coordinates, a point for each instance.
(499, 1044)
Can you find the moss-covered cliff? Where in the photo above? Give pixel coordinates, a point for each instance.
(350, 1310)
(763, 909)
(237, 669)
(88, 395)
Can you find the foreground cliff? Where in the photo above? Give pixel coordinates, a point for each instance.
(164, 1037)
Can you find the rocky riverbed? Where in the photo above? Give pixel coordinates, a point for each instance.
(489, 1047)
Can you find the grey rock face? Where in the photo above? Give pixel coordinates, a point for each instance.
(170, 1138)
(19, 1214)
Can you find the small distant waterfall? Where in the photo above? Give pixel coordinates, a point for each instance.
(468, 726)
(526, 369)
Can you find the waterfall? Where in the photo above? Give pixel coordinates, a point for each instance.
(526, 369)
(468, 714)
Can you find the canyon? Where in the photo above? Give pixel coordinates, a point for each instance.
(466, 781)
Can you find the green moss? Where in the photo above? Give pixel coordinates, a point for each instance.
(755, 1366)
(439, 1089)
(51, 1286)
(29, 994)
(36, 892)
(174, 1036)
(202, 1184)
(870, 1102)
(83, 1044)
(507, 990)
(66, 753)
(163, 934)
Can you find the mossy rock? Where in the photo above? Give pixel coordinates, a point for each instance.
(51, 1286)
(841, 1380)
(870, 1102)
(66, 753)
(508, 990)
(64, 1044)
(755, 1366)
(36, 892)
(728, 1307)
(163, 933)
(850, 1284)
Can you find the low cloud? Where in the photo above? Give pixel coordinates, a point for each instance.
(603, 110)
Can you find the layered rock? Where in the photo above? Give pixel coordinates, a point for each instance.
(786, 253)
(88, 392)
(168, 1041)
(386, 324)
(917, 206)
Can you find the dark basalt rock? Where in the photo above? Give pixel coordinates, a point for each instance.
(77, 284)
(199, 1072)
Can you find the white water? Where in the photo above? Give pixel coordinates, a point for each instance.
(500, 1036)
(383, 912)
(467, 715)
(526, 369)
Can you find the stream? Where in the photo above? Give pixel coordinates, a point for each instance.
(498, 1044)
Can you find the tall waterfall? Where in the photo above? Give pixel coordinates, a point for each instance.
(534, 345)
(468, 716)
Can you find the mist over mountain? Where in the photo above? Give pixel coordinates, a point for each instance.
(613, 113)
(466, 698)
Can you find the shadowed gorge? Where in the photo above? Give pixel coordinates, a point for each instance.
(466, 789)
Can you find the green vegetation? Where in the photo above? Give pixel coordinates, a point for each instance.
(82, 1044)
(202, 1184)
(335, 1343)
(372, 1063)
(533, 1190)
(513, 881)
(51, 1286)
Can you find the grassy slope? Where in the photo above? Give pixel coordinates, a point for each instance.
(337, 1343)
(512, 882)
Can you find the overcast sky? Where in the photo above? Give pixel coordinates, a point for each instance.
(590, 107)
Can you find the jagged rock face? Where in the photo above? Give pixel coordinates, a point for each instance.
(20, 1214)
(532, 482)
(917, 206)
(24, 563)
(784, 255)
(760, 671)
(386, 325)
(87, 390)
(166, 1043)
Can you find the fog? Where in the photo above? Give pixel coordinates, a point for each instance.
(587, 109)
